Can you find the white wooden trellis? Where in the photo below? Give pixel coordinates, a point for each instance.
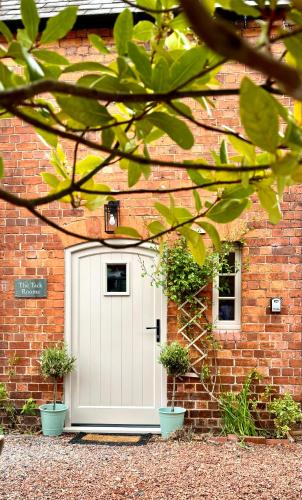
(194, 320)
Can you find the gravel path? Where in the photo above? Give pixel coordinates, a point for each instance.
(35, 468)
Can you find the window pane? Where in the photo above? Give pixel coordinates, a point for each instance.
(116, 278)
(226, 310)
(226, 286)
(230, 265)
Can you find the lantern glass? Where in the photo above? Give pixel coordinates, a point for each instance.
(111, 216)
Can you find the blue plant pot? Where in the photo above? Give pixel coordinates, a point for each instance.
(53, 420)
(170, 420)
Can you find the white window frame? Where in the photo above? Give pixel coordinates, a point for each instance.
(115, 263)
(234, 324)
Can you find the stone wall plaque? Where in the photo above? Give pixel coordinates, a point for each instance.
(30, 288)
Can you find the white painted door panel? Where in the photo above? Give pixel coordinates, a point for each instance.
(118, 379)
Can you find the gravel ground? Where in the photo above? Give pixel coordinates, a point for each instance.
(35, 467)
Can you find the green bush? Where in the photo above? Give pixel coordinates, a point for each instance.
(175, 358)
(286, 412)
(56, 363)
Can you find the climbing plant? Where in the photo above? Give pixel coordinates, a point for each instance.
(185, 282)
(181, 276)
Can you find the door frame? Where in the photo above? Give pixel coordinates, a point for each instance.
(68, 256)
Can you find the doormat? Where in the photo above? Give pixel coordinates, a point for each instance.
(111, 439)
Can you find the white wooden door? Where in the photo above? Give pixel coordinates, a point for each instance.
(118, 379)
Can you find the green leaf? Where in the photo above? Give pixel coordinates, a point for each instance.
(15, 51)
(96, 202)
(197, 177)
(175, 128)
(196, 246)
(294, 46)
(50, 57)
(1, 168)
(259, 116)
(3, 51)
(269, 200)
(223, 153)
(98, 43)
(297, 174)
(34, 69)
(23, 39)
(238, 192)
(107, 137)
(58, 26)
(134, 173)
(146, 170)
(296, 16)
(87, 66)
(212, 232)
(150, 4)
(139, 57)
(103, 82)
(144, 31)
(123, 31)
(293, 135)
(101, 188)
(160, 76)
(129, 231)
(5, 76)
(285, 165)
(85, 111)
(188, 65)
(88, 163)
(244, 148)
(58, 160)
(51, 71)
(48, 138)
(156, 227)
(181, 214)
(183, 108)
(281, 185)
(6, 32)
(227, 210)
(180, 23)
(30, 18)
(50, 179)
(197, 200)
(165, 212)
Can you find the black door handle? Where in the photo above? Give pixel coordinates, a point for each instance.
(157, 328)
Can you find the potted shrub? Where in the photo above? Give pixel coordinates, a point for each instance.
(55, 363)
(175, 359)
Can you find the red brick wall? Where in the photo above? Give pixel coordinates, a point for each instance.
(29, 248)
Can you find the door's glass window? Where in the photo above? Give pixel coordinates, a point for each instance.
(116, 278)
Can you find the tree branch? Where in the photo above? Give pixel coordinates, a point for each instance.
(162, 191)
(129, 156)
(221, 38)
(105, 242)
(210, 128)
(13, 97)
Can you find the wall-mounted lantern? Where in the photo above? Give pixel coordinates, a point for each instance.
(111, 216)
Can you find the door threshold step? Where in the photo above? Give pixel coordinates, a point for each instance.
(112, 430)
